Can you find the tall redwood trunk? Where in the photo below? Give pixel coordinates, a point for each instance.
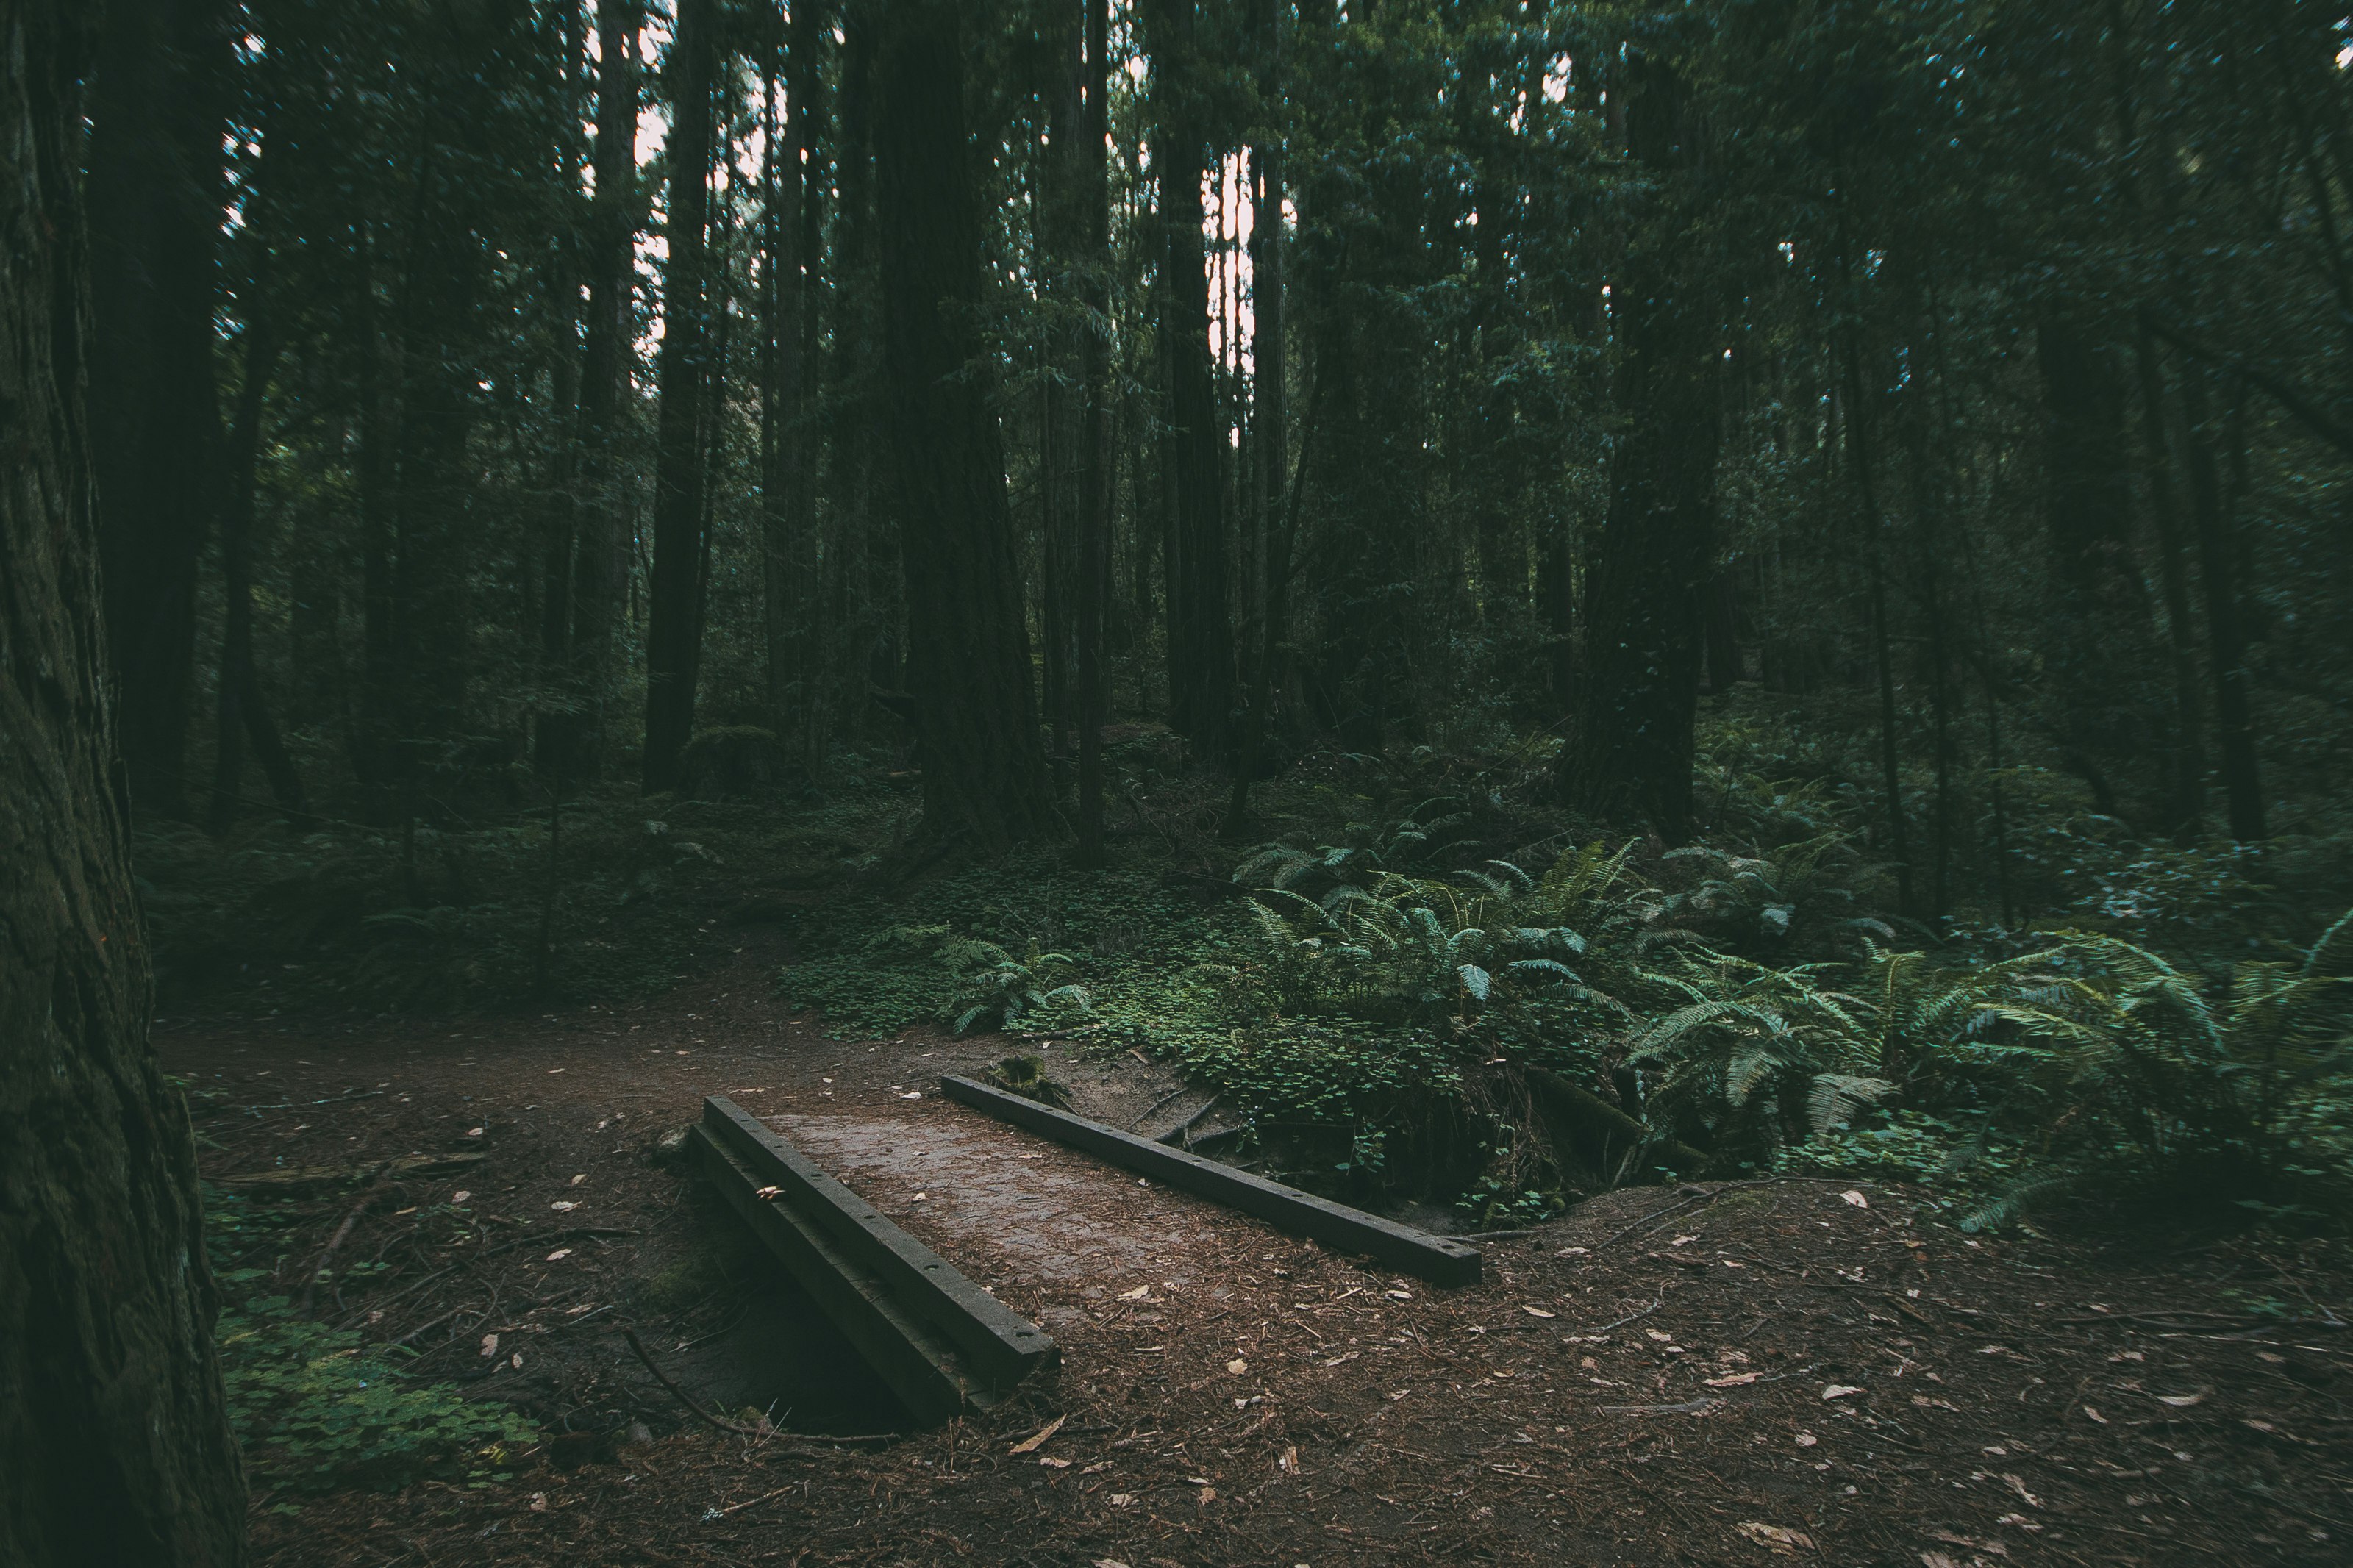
(599, 566)
(1629, 749)
(673, 651)
(2235, 719)
(2100, 648)
(1094, 519)
(975, 714)
(241, 711)
(1200, 624)
(788, 488)
(154, 191)
(114, 1438)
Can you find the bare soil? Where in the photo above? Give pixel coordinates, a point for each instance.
(1734, 1373)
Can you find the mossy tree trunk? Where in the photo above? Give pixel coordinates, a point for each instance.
(115, 1442)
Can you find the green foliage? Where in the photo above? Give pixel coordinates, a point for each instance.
(431, 958)
(907, 974)
(447, 918)
(1768, 898)
(316, 1407)
(1744, 1044)
(2236, 1090)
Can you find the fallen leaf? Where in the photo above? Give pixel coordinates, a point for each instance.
(2181, 1401)
(515, 1361)
(921, 1197)
(1574, 1252)
(1773, 1536)
(580, 1178)
(2019, 1488)
(1684, 1240)
(2096, 1415)
(1206, 1495)
(490, 1344)
(559, 1255)
(1856, 1198)
(473, 1133)
(538, 1502)
(1398, 1295)
(562, 1207)
(2018, 1520)
(1053, 1463)
(1840, 1391)
(1658, 1335)
(1806, 1440)
(913, 1094)
(766, 1193)
(460, 1196)
(1237, 1367)
(1037, 1439)
(1138, 1294)
(1118, 1499)
(1197, 1480)
(1738, 1380)
(1538, 1312)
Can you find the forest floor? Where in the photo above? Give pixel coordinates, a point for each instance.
(1729, 1374)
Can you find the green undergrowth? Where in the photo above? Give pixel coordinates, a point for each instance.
(447, 918)
(316, 1407)
(1394, 1014)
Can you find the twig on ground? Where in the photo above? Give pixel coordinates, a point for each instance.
(1177, 1093)
(1690, 1407)
(681, 1394)
(1697, 1200)
(367, 1200)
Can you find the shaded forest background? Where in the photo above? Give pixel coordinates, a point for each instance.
(980, 486)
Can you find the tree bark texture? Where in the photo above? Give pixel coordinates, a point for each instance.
(976, 713)
(115, 1442)
(242, 711)
(614, 216)
(2234, 721)
(154, 198)
(1094, 519)
(673, 651)
(2102, 649)
(1629, 750)
(1200, 621)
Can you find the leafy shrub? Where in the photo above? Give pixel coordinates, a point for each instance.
(2238, 1093)
(315, 1407)
(1765, 899)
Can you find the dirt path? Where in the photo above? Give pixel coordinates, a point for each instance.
(1723, 1375)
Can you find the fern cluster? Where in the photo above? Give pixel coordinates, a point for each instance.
(2087, 1060)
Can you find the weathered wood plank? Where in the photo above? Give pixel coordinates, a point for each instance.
(997, 1345)
(1432, 1257)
